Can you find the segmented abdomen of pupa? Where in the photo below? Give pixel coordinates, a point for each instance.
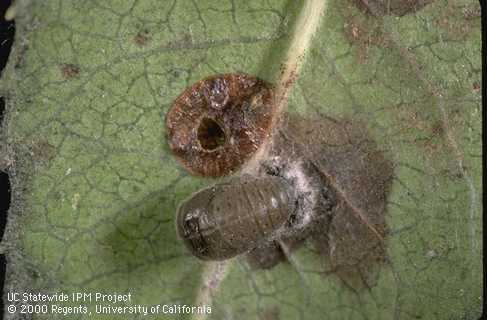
(235, 216)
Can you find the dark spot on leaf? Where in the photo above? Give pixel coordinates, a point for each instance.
(217, 124)
(142, 38)
(69, 70)
(476, 87)
(175, 73)
(437, 128)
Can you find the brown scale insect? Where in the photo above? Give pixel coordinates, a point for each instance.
(217, 124)
(230, 218)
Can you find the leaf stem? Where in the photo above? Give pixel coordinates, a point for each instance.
(306, 26)
(213, 275)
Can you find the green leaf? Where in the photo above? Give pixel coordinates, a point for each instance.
(96, 188)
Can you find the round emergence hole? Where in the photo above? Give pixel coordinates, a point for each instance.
(210, 134)
(215, 138)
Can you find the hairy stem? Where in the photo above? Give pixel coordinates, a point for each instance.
(212, 277)
(306, 26)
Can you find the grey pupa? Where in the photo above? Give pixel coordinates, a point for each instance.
(234, 217)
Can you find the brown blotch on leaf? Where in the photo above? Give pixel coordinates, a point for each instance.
(391, 7)
(357, 177)
(69, 70)
(217, 124)
(142, 38)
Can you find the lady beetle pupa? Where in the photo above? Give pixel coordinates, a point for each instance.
(233, 217)
(217, 124)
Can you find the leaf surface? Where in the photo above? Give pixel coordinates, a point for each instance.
(96, 189)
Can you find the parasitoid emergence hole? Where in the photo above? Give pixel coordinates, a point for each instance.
(210, 134)
(218, 123)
